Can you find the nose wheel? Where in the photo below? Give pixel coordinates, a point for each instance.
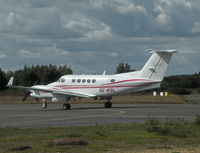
(44, 104)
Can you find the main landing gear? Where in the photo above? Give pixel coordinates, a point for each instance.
(66, 105)
(108, 104)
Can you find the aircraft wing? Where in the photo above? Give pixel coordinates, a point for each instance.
(53, 90)
(76, 94)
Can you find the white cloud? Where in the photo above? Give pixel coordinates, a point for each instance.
(97, 4)
(170, 5)
(187, 50)
(12, 18)
(28, 54)
(81, 25)
(163, 20)
(3, 56)
(186, 3)
(100, 34)
(114, 54)
(196, 28)
(53, 51)
(126, 7)
(183, 60)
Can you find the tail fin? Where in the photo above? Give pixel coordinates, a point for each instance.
(10, 83)
(157, 64)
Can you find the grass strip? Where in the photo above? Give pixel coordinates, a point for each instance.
(151, 136)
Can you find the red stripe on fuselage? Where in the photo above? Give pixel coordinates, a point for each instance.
(92, 86)
(128, 81)
(128, 86)
(105, 87)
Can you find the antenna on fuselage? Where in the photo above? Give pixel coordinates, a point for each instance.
(104, 72)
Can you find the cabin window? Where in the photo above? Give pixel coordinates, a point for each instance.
(62, 80)
(73, 80)
(58, 80)
(88, 80)
(83, 80)
(112, 80)
(78, 80)
(93, 80)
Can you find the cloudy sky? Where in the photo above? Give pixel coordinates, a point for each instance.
(95, 35)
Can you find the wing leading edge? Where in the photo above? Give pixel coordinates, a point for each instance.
(52, 90)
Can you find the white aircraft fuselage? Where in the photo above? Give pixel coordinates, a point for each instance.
(97, 85)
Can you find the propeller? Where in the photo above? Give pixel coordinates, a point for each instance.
(26, 95)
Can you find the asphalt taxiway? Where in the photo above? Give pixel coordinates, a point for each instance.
(31, 115)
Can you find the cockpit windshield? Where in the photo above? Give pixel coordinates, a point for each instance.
(61, 80)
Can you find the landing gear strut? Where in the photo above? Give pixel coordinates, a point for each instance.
(66, 105)
(108, 104)
(44, 103)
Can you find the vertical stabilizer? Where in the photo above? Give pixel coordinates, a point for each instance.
(157, 64)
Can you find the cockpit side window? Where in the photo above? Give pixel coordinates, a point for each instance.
(112, 80)
(62, 80)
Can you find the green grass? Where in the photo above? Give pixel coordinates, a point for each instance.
(102, 138)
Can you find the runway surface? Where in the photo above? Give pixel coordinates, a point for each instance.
(31, 115)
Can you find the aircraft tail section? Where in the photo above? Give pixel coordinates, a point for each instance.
(157, 64)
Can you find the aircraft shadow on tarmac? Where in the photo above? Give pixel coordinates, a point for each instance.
(114, 107)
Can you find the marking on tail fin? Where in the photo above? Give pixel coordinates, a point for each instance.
(156, 66)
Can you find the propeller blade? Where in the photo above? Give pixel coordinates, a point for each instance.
(26, 96)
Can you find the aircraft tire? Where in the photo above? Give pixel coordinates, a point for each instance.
(66, 106)
(108, 105)
(44, 105)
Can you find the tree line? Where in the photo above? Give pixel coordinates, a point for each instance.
(181, 84)
(39, 74)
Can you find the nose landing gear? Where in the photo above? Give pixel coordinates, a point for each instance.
(44, 103)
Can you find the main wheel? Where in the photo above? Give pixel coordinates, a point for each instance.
(108, 105)
(66, 106)
(44, 105)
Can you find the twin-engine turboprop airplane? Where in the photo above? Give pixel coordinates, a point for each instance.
(103, 86)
